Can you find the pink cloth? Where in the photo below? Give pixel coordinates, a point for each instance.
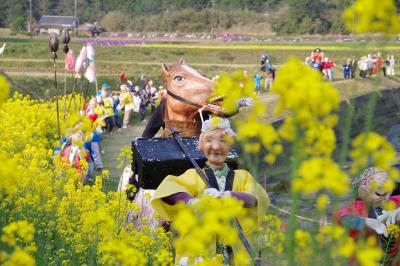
(70, 61)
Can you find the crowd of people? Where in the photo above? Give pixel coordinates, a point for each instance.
(369, 65)
(108, 110)
(373, 64)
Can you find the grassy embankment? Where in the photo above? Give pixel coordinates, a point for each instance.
(28, 65)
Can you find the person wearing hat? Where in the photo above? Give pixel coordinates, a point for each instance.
(215, 142)
(125, 81)
(366, 217)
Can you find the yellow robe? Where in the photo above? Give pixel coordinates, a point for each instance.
(191, 183)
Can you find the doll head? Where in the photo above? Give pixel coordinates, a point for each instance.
(371, 187)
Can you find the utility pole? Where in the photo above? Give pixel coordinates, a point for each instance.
(30, 19)
(212, 19)
(76, 21)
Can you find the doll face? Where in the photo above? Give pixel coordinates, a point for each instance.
(372, 189)
(215, 145)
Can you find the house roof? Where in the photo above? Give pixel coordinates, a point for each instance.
(61, 21)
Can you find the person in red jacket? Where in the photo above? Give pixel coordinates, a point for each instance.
(327, 68)
(365, 216)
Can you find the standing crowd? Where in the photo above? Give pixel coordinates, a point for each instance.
(369, 65)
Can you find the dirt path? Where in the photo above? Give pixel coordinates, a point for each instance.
(112, 145)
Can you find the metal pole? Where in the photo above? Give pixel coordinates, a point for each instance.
(57, 104)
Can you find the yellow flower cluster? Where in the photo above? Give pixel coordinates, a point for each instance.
(74, 224)
(368, 252)
(321, 174)
(272, 235)
(373, 148)
(18, 237)
(251, 132)
(164, 258)
(115, 253)
(199, 226)
(310, 102)
(4, 89)
(371, 16)
(335, 239)
(303, 243)
(393, 230)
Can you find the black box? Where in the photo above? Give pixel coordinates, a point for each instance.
(155, 158)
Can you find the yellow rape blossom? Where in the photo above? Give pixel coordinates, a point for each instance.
(321, 173)
(117, 253)
(393, 230)
(4, 89)
(303, 244)
(18, 231)
(322, 202)
(335, 239)
(199, 225)
(371, 16)
(368, 253)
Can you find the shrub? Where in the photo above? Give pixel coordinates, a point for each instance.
(116, 21)
(18, 25)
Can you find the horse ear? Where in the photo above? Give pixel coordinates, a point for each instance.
(165, 68)
(182, 61)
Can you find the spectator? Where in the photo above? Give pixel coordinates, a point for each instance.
(270, 76)
(391, 65)
(257, 83)
(363, 66)
(347, 69)
(327, 66)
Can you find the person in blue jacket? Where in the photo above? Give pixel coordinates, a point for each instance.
(347, 69)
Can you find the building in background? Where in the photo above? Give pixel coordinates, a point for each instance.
(48, 24)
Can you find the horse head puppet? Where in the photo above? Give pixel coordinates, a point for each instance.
(188, 95)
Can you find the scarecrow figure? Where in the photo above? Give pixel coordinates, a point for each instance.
(365, 216)
(224, 182)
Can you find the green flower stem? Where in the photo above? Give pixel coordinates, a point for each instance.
(296, 160)
(387, 250)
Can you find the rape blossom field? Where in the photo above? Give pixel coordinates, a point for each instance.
(48, 216)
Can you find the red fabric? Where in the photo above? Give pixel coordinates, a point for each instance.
(93, 117)
(317, 57)
(378, 65)
(327, 65)
(122, 76)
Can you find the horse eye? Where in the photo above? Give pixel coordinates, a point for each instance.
(179, 78)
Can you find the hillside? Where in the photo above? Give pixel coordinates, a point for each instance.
(261, 16)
